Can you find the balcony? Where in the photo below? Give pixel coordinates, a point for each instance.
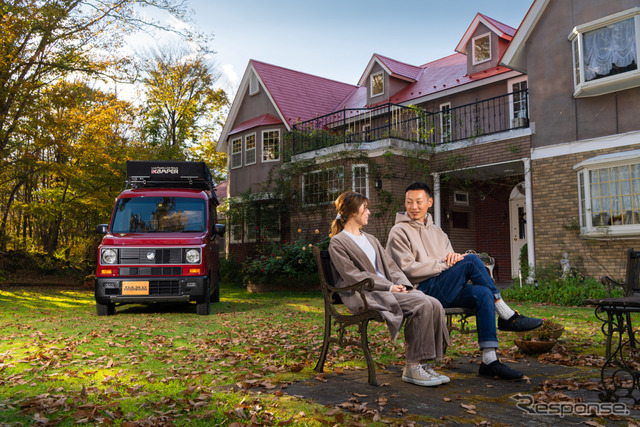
(413, 124)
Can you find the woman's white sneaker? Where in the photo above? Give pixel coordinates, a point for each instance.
(445, 379)
(416, 374)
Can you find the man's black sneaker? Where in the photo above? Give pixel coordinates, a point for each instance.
(519, 323)
(500, 370)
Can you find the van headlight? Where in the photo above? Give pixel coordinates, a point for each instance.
(192, 256)
(109, 256)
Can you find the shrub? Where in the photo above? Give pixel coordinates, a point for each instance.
(279, 263)
(230, 271)
(570, 291)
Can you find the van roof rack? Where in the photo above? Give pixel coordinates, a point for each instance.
(169, 174)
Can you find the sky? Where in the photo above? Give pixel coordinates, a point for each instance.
(336, 39)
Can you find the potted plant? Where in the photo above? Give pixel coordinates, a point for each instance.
(540, 340)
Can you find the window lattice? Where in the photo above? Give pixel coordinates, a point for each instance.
(322, 186)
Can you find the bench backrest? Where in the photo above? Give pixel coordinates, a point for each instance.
(326, 276)
(633, 272)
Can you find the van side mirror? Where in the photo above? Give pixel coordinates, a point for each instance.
(102, 228)
(219, 229)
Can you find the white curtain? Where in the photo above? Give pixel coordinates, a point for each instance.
(615, 44)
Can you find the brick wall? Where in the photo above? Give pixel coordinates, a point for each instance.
(555, 209)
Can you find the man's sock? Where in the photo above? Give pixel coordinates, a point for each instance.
(489, 355)
(503, 310)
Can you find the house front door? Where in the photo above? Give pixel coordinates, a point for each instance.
(517, 226)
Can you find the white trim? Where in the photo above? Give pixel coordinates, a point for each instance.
(464, 200)
(378, 147)
(235, 107)
(255, 149)
(279, 145)
(237, 152)
(515, 56)
(353, 177)
(510, 84)
(253, 81)
(585, 145)
(603, 22)
(461, 47)
(609, 160)
(608, 84)
(473, 48)
(367, 71)
(339, 173)
(606, 161)
(442, 135)
(371, 94)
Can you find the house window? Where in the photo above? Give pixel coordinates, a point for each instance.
(609, 192)
(250, 149)
(518, 102)
(254, 85)
(605, 54)
(323, 186)
(366, 133)
(445, 122)
(481, 48)
(255, 221)
(236, 153)
(377, 84)
(461, 198)
(360, 178)
(270, 145)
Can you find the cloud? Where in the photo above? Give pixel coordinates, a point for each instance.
(229, 78)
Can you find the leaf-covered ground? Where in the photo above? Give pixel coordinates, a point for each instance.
(60, 364)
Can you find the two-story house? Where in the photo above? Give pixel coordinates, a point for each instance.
(581, 59)
(296, 141)
(526, 136)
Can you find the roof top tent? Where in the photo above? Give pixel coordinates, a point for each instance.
(170, 174)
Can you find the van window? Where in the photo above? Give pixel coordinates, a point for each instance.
(159, 214)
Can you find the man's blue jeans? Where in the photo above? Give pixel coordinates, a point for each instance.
(452, 290)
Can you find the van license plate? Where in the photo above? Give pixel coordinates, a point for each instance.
(135, 288)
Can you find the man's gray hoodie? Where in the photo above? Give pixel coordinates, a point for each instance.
(418, 248)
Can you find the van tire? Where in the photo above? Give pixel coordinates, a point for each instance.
(204, 308)
(105, 309)
(215, 297)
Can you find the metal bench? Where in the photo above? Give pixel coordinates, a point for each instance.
(334, 319)
(619, 374)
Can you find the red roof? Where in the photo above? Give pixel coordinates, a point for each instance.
(263, 120)
(443, 74)
(221, 191)
(400, 69)
(300, 96)
(509, 31)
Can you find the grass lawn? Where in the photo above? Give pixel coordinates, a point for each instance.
(62, 364)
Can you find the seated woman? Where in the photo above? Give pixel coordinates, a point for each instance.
(357, 256)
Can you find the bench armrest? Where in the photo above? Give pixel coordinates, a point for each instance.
(360, 287)
(610, 283)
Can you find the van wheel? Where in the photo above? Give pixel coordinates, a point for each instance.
(105, 309)
(215, 297)
(204, 308)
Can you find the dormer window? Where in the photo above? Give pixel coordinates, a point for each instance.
(605, 54)
(377, 84)
(481, 48)
(254, 85)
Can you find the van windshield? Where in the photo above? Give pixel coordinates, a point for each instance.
(159, 215)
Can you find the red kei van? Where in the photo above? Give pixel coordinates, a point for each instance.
(162, 242)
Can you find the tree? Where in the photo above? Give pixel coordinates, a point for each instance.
(75, 152)
(43, 42)
(182, 107)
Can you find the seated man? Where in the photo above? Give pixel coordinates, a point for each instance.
(424, 253)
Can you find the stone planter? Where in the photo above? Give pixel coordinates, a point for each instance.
(535, 347)
(550, 331)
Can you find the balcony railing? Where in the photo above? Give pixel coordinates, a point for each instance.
(413, 124)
